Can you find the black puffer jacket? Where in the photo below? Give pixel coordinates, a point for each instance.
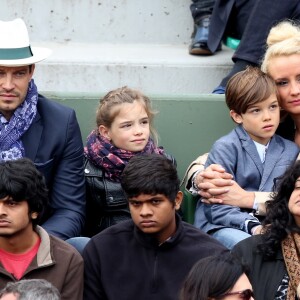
(106, 202)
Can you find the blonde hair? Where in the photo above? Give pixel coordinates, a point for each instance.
(283, 40)
(110, 106)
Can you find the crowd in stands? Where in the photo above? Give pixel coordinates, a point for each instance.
(103, 221)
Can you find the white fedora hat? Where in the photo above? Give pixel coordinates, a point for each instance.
(15, 49)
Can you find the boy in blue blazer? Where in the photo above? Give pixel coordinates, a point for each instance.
(251, 152)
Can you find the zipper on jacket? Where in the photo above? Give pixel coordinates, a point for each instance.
(154, 284)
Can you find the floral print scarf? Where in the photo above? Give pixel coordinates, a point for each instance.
(11, 146)
(102, 153)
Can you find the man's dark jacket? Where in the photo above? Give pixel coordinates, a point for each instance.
(265, 275)
(53, 142)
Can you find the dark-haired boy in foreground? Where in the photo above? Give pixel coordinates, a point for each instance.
(27, 251)
(149, 256)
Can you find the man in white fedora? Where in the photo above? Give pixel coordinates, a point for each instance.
(42, 130)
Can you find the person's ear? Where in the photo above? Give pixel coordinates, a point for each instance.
(32, 67)
(104, 131)
(34, 215)
(178, 200)
(237, 118)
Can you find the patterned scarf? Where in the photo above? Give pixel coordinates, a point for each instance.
(11, 131)
(113, 160)
(290, 248)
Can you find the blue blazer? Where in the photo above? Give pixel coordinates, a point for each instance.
(53, 142)
(237, 153)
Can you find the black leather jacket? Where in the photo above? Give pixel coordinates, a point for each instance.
(106, 202)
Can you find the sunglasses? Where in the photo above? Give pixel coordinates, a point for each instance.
(245, 295)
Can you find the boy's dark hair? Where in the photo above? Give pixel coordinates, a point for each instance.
(247, 88)
(20, 180)
(150, 174)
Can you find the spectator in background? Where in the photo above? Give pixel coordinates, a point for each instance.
(30, 289)
(245, 22)
(201, 12)
(215, 20)
(42, 130)
(249, 22)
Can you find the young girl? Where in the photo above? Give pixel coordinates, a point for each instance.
(124, 129)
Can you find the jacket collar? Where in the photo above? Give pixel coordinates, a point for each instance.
(274, 152)
(149, 241)
(44, 255)
(31, 139)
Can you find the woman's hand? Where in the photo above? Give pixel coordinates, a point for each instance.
(258, 230)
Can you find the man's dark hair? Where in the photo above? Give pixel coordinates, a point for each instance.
(150, 174)
(20, 180)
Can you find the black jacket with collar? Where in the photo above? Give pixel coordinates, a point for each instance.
(265, 275)
(106, 202)
(122, 262)
(53, 142)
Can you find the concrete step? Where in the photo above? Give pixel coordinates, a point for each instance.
(99, 45)
(103, 21)
(155, 69)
